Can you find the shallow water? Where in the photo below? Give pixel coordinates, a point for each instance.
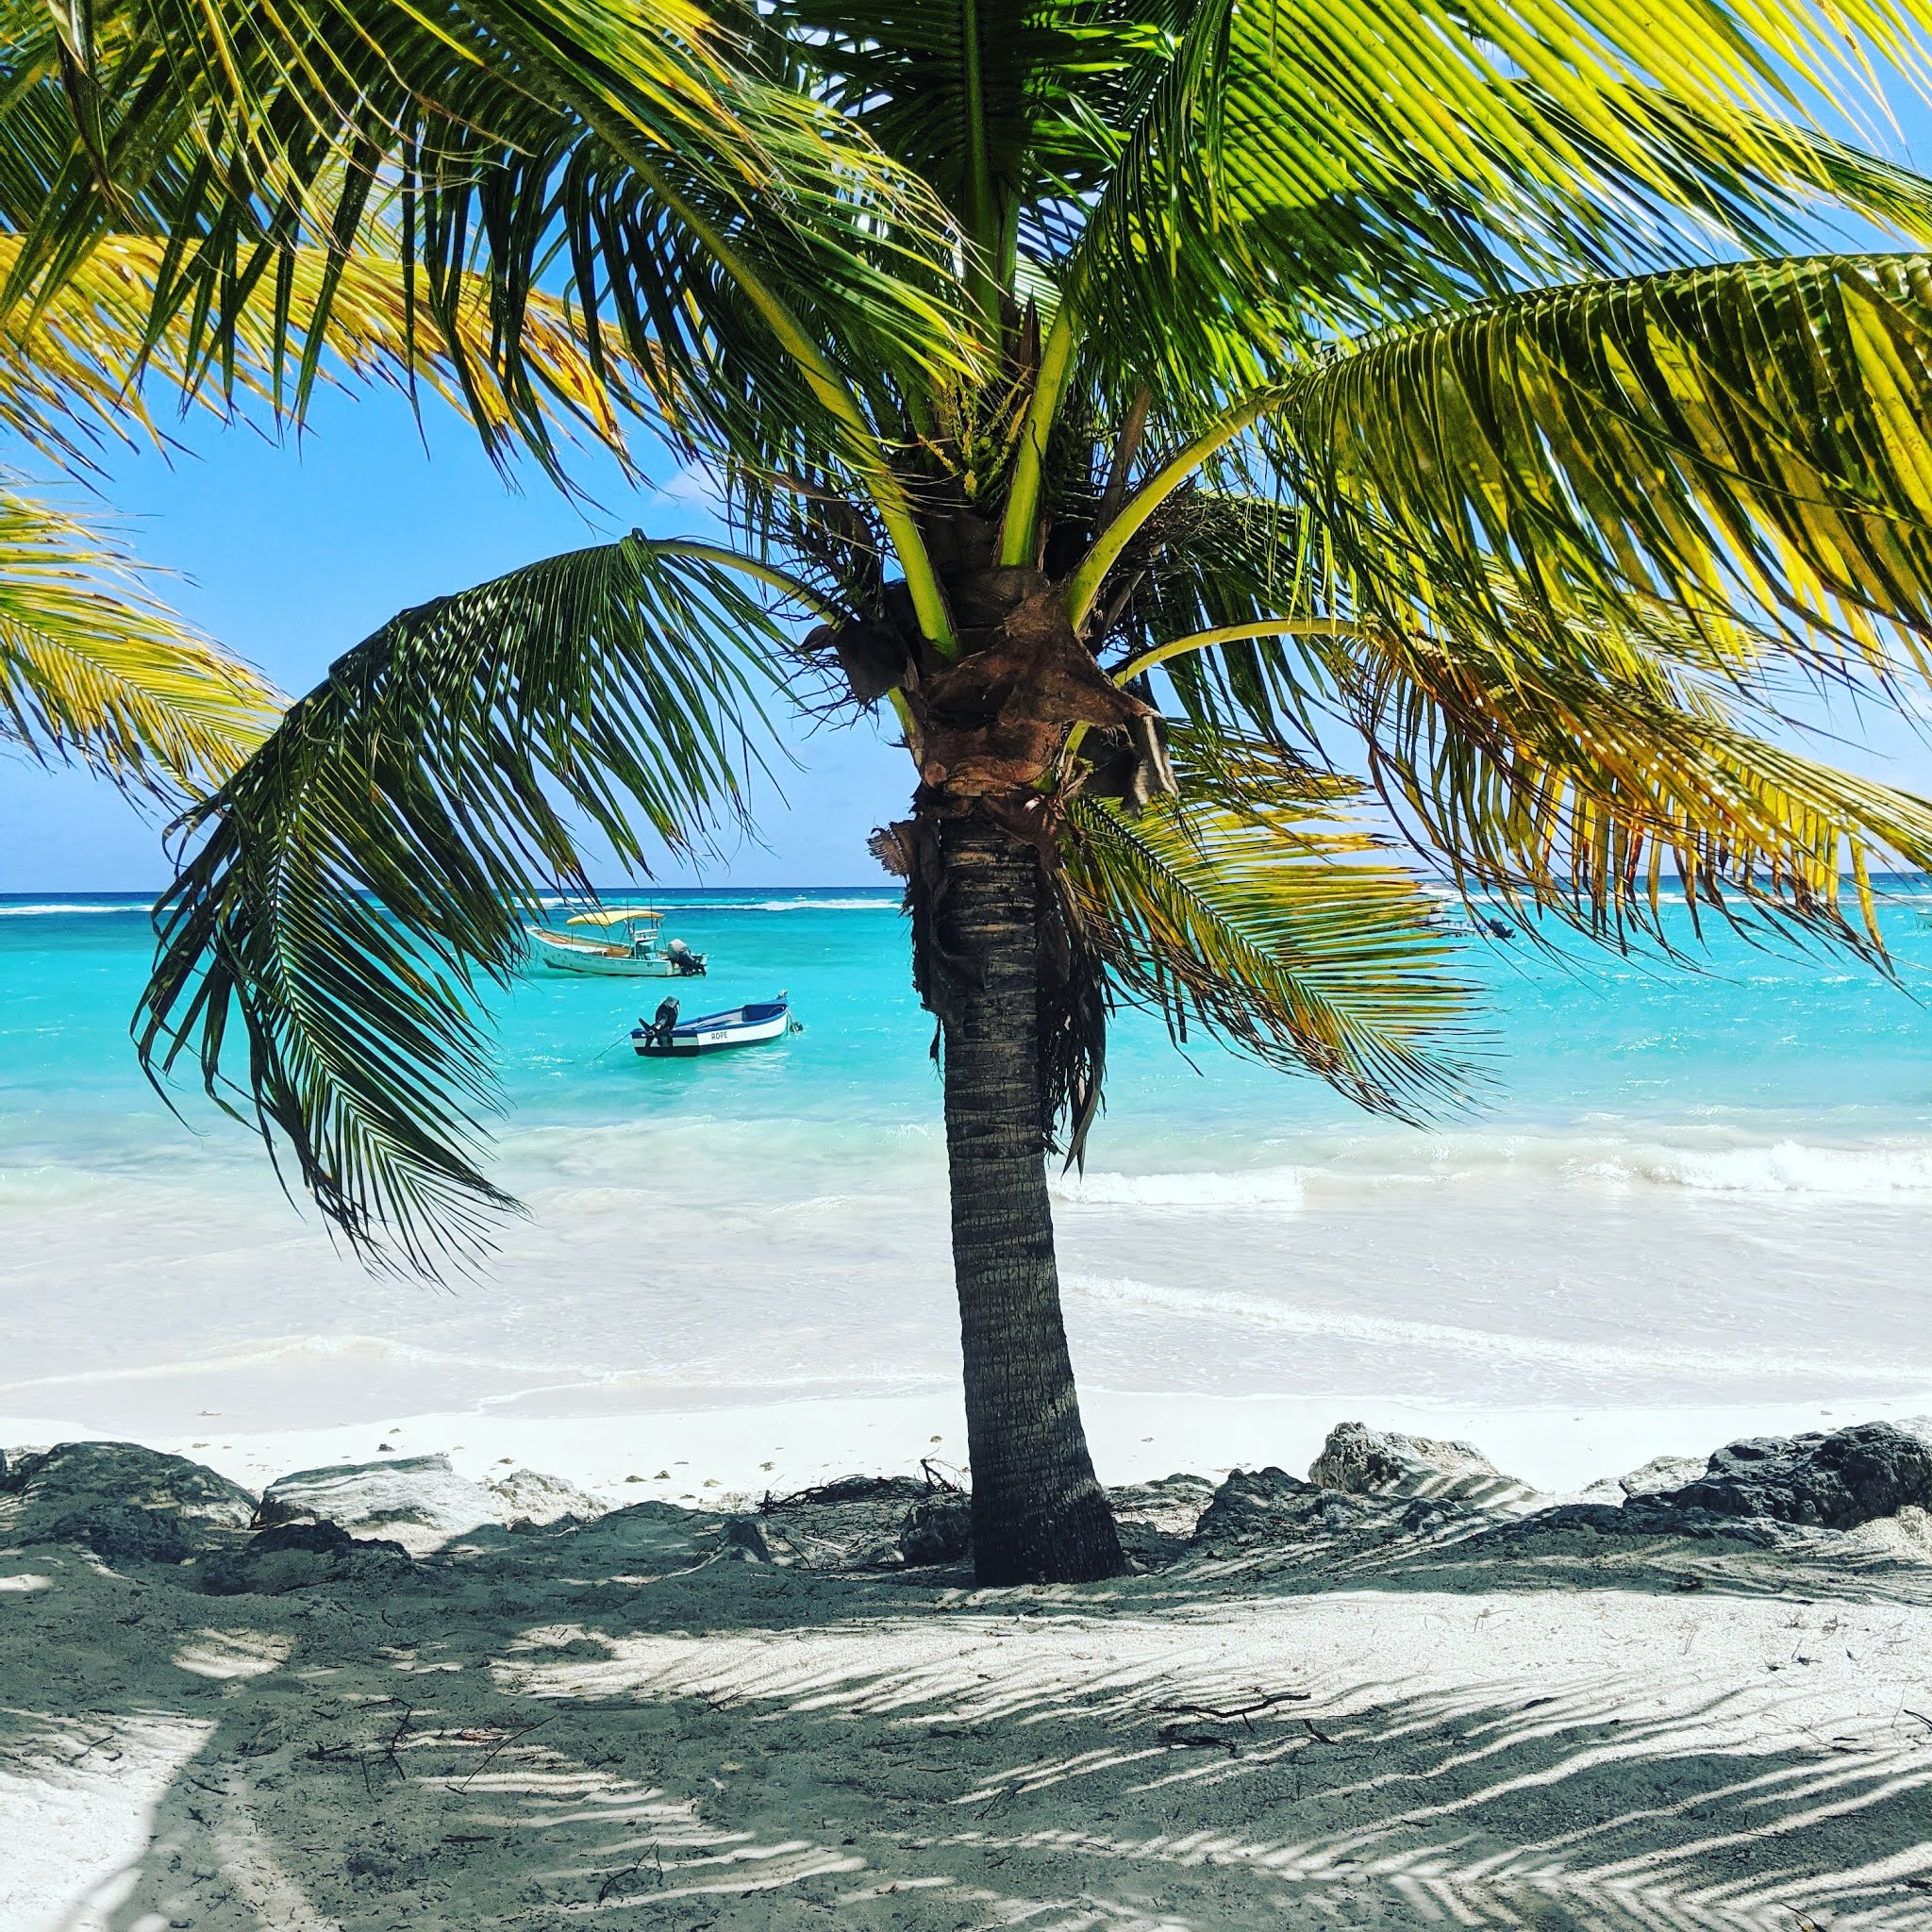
(1684, 1190)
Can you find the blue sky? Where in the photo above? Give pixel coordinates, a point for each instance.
(288, 555)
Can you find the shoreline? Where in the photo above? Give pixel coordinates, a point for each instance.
(733, 1451)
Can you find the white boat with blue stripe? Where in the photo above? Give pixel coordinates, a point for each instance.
(668, 1037)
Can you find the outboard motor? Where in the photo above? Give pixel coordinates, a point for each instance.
(684, 962)
(658, 1032)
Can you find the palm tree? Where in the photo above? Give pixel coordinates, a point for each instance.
(1319, 417)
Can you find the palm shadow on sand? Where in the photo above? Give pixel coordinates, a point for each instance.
(541, 1729)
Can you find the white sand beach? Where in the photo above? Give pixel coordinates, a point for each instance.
(637, 1719)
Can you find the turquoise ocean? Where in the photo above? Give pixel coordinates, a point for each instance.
(1682, 1190)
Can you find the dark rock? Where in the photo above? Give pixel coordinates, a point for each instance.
(118, 1533)
(742, 1538)
(1271, 1506)
(1833, 1481)
(76, 1475)
(297, 1556)
(1381, 1462)
(1157, 1521)
(1644, 1516)
(850, 1525)
(316, 1538)
(938, 1530)
(127, 1504)
(1171, 1503)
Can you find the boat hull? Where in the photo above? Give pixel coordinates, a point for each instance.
(608, 962)
(561, 961)
(715, 1033)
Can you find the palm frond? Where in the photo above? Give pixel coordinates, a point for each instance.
(1604, 791)
(644, 159)
(76, 366)
(352, 889)
(1301, 173)
(93, 669)
(1266, 926)
(1743, 439)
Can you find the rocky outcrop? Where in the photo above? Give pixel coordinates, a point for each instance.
(1269, 1506)
(1157, 1521)
(78, 1473)
(1833, 1481)
(938, 1530)
(748, 1541)
(125, 1503)
(119, 1534)
(300, 1556)
(1361, 1461)
(1663, 1473)
(419, 1501)
(528, 1496)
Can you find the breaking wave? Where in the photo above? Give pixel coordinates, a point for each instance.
(1790, 1168)
(52, 908)
(1784, 1167)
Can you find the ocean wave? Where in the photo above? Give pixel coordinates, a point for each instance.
(1787, 1168)
(56, 908)
(1643, 1351)
(284, 1350)
(881, 905)
(677, 909)
(1262, 1189)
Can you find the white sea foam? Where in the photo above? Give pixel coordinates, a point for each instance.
(293, 1350)
(676, 908)
(1790, 1167)
(1605, 1160)
(1645, 1353)
(1262, 1190)
(57, 907)
(890, 904)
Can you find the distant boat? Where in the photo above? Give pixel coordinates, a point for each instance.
(666, 1035)
(635, 955)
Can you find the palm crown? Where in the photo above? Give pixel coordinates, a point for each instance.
(1146, 400)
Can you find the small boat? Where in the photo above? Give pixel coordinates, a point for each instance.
(635, 955)
(747, 1026)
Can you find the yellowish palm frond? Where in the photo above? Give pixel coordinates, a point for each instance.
(1608, 790)
(92, 668)
(74, 364)
(1278, 932)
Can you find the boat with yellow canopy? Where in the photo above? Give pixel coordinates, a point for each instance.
(619, 941)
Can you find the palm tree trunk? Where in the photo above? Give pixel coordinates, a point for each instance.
(1039, 1515)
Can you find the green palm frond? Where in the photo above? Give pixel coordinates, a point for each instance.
(1300, 174)
(717, 224)
(93, 669)
(82, 361)
(1740, 438)
(1601, 792)
(1216, 559)
(1261, 925)
(351, 886)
